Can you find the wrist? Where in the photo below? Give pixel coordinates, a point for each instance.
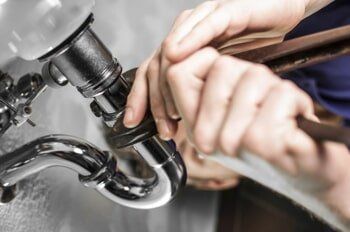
(337, 196)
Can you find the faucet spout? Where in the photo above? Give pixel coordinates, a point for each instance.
(98, 169)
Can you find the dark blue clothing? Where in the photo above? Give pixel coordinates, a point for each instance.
(327, 83)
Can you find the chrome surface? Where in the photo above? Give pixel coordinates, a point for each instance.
(52, 76)
(90, 67)
(54, 200)
(98, 169)
(87, 63)
(16, 99)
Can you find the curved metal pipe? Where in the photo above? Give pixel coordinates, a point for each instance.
(98, 169)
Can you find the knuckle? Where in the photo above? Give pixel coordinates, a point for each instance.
(290, 90)
(222, 62)
(227, 143)
(255, 135)
(201, 139)
(268, 156)
(259, 69)
(270, 152)
(286, 89)
(211, 52)
(287, 86)
(166, 44)
(254, 140)
(276, 152)
(229, 32)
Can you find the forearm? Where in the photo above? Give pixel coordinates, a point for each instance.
(312, 6)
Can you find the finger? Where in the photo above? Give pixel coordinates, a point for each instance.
(183, 24)
(165, 125)
(186, 81)
(291, 100)
(215, 100)
(206, 169)
(201, 172)
(275, 135)
(180, 134)
(304, 150)
(166, 92)
(137, 101)
(183, 27)
(298, 144)
(216, 24)
(165, 89)
(250, 92)
(180, 19)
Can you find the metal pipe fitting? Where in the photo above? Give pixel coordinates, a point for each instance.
(97, 169)
(89, 66)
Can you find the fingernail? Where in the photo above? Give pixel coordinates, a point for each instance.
(175, 116)
(163, 129)
(128, 117)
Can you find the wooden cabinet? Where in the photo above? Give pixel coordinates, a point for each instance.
(251, 208)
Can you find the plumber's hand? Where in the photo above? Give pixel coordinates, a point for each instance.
(228, 104)
(203, 173)
(250, 22)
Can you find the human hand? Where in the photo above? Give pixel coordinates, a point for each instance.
(230, 104)
(202, 173)
(249, 22)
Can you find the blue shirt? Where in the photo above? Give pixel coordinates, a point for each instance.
(327, 83)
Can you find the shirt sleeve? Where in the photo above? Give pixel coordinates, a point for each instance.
(327, 83)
